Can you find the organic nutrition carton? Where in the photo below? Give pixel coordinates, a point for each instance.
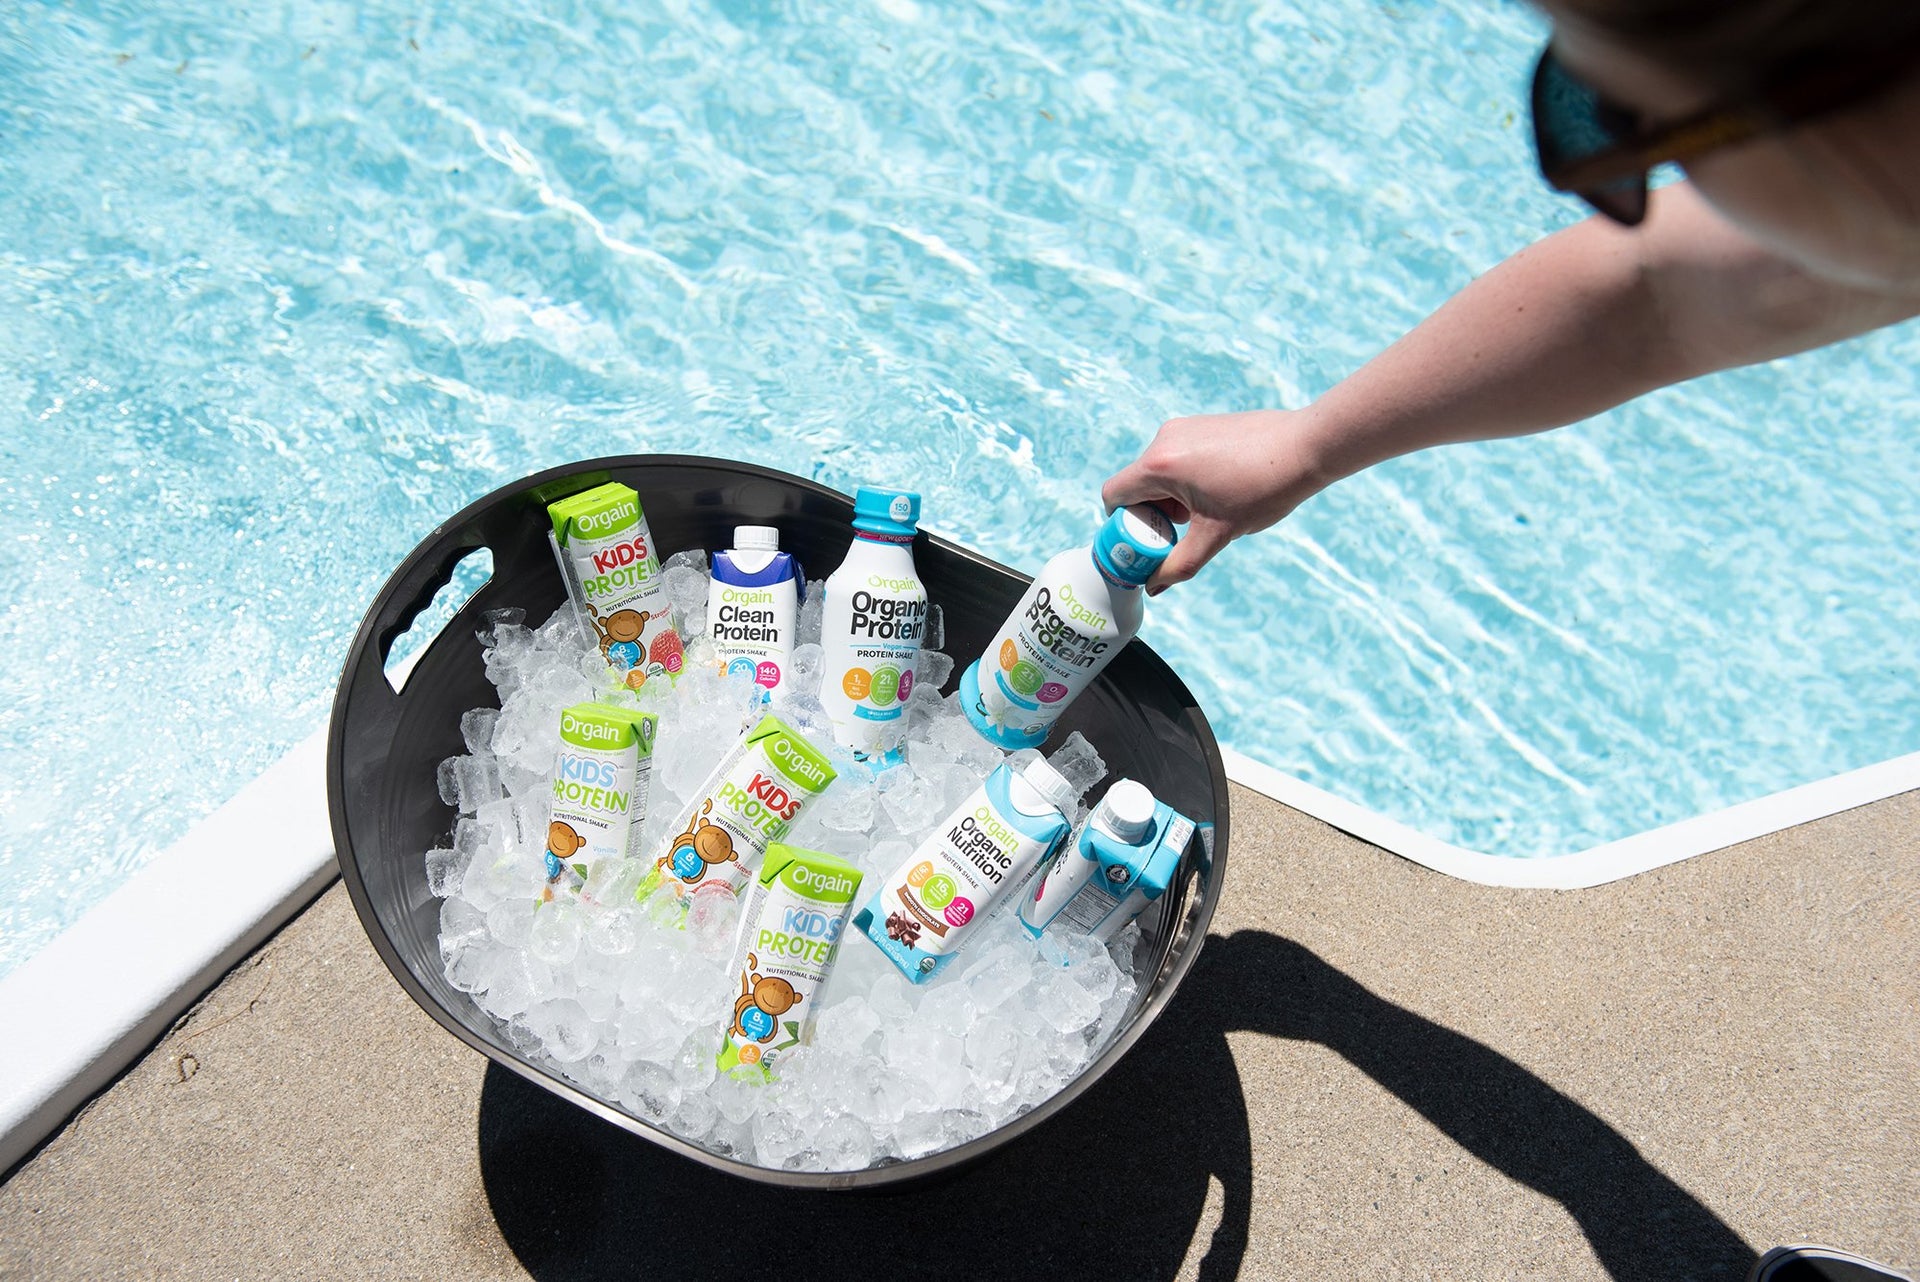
(753, 603)
(1080, 611)
(613, 575)
(789, 939)
(1125, 858)
(748, 802)
(600, 780)
(874, 615)
(983, 853)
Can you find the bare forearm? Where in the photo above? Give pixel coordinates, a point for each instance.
(1583, 321)
(1572, 326)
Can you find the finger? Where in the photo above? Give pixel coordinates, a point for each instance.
(1137, 483)
(1203, 541)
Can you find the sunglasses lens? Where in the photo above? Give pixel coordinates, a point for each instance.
(1570, 121)
(1571, 124)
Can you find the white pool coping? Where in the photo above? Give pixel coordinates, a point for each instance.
(1596, 865)
(95, 998)
(107, 987)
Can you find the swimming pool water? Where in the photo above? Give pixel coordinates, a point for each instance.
(282, 288)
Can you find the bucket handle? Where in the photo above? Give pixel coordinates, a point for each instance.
(428, 582)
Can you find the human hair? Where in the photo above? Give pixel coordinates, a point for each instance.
(1742, 44)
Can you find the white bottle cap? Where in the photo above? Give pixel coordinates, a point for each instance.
(1148, 526)
(1126, 811)
(1051, 784)
(756, 538)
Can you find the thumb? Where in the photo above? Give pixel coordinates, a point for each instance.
(1203, 541)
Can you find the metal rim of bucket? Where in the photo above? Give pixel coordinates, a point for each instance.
(408, 591)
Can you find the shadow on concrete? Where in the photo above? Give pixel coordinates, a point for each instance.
(1113, 1187)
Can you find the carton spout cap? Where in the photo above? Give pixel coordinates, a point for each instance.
(1127, 811)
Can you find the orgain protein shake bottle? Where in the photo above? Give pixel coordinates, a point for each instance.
(1081, 610)
(875, 614)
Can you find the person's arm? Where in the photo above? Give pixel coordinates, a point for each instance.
(1588, 318)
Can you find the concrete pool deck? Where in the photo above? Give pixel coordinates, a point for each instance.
(1374, 1070)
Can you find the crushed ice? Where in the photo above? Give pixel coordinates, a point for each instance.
(611, 995)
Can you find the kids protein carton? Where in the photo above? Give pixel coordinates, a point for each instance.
(789, 939)
(613, 575)
(748, 803)
(981, 854)
(600, 780)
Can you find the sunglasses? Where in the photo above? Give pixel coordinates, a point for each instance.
(1597, 150)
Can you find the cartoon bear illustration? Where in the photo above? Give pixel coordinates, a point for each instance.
(767, 999)
(702, 845)
(619, 635)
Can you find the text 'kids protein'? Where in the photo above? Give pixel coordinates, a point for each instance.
(790, 937)
(612, 569)
(601, 775)
(747, 804)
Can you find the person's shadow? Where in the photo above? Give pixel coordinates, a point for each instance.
(1114, 1186)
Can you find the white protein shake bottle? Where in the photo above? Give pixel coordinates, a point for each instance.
(1080, 611)
(875, 612)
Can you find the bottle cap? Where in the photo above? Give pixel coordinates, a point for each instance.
(756, 538)
(1133, 543)
(1051, 784)
(1126, 811)
(878, 511)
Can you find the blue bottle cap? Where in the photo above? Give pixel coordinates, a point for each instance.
(889, 512)
(1133, 543)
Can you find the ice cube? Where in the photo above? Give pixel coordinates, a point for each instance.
(999, 975)
(777, 1139)
(511, 920)
(845, 1144)
(476, 728)
(713, 913)
(611, 933)
(1065, 1005)
(694, 559)
(1078, 763)
(803, 668)
(647, 1032)
(601, 1072)
(651, 1089)
(508, 983)
(564, 1030)
(554, 936)
(694, 1067)
(847, 805)
(694, 1118)
(919, 1134)
(812, 613)
(444, 868)
(502, 626)
(913, 805)
(935, 636)
(737, 1098)
(995, 1049)
(950, 1008)
(888, 1095)
(848, 1026)
(687, 590)
(932, 669)
(447, 778)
